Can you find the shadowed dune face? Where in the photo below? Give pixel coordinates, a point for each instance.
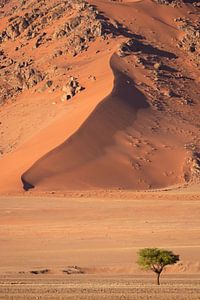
(115, 114)
(137, 137)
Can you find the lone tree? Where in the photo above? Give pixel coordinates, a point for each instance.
(156, 259)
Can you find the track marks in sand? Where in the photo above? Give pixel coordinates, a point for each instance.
(93, 140)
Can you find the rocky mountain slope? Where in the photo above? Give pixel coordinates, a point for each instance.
(99, 94)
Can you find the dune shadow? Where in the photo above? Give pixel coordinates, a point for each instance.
(115, 113)
(26, 185)
(118, 29)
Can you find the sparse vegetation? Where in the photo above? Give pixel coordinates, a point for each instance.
(156, 260)
(43, 271)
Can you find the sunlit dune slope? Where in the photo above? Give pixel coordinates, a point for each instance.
(135, 122)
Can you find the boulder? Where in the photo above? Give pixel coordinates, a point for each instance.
(126, 48)
(71, 89)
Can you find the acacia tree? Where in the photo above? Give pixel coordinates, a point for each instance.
(155, 259)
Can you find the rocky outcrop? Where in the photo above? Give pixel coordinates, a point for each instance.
(34, 21)
(81, 29)
(73, 270)
(177, 3)
(28, 77)
(3, 2)
(85, 22)
(195, 168)
(81, 25)
(5, 61)
(18, 25)
(191, 40)
(37, 23)
(173, 3)
(71, 89)
(126, 48)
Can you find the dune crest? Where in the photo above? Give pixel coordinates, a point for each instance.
(101, 153)
(89, 147)
(144, 134)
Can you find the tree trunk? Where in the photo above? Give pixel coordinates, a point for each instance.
(158, 278)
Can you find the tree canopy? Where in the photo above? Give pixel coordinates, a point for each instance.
(155, 259)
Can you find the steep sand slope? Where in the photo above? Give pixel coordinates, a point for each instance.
(101, 153)
(13, 166)
(113, 137)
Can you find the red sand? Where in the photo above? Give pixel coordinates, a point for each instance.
(108, 136)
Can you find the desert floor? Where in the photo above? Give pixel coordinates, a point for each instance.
(99, 287)
(100, 233)
(132, 123)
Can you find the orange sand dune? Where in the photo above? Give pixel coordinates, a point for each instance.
(108, 136)
(100, 154)
(95, 155)
(67, 122)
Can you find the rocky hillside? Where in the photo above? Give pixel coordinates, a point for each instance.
(36, 24)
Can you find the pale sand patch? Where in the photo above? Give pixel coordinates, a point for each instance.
(99, 234)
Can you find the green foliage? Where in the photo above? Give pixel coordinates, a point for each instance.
(156, 259)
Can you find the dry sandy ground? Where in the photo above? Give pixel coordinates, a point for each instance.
(99, 287)
(111, 136)
(100, 233)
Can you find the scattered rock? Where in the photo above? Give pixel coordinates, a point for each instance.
(49, 83)
(186, 101)
(39, 40)
(93, 78)
(157, 66)
(195, 168)
(28, 77)
(167, 92)
(6, 62)
(57, 53)
(71, 89)
(126, 48)
(73, 270)
(174, 3)
(191, 40)
(43, 271)
(177, 3)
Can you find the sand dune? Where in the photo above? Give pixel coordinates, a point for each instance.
(67, 121)
(95, 147)
(99, 147)
(99, 154)
(130, 134)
